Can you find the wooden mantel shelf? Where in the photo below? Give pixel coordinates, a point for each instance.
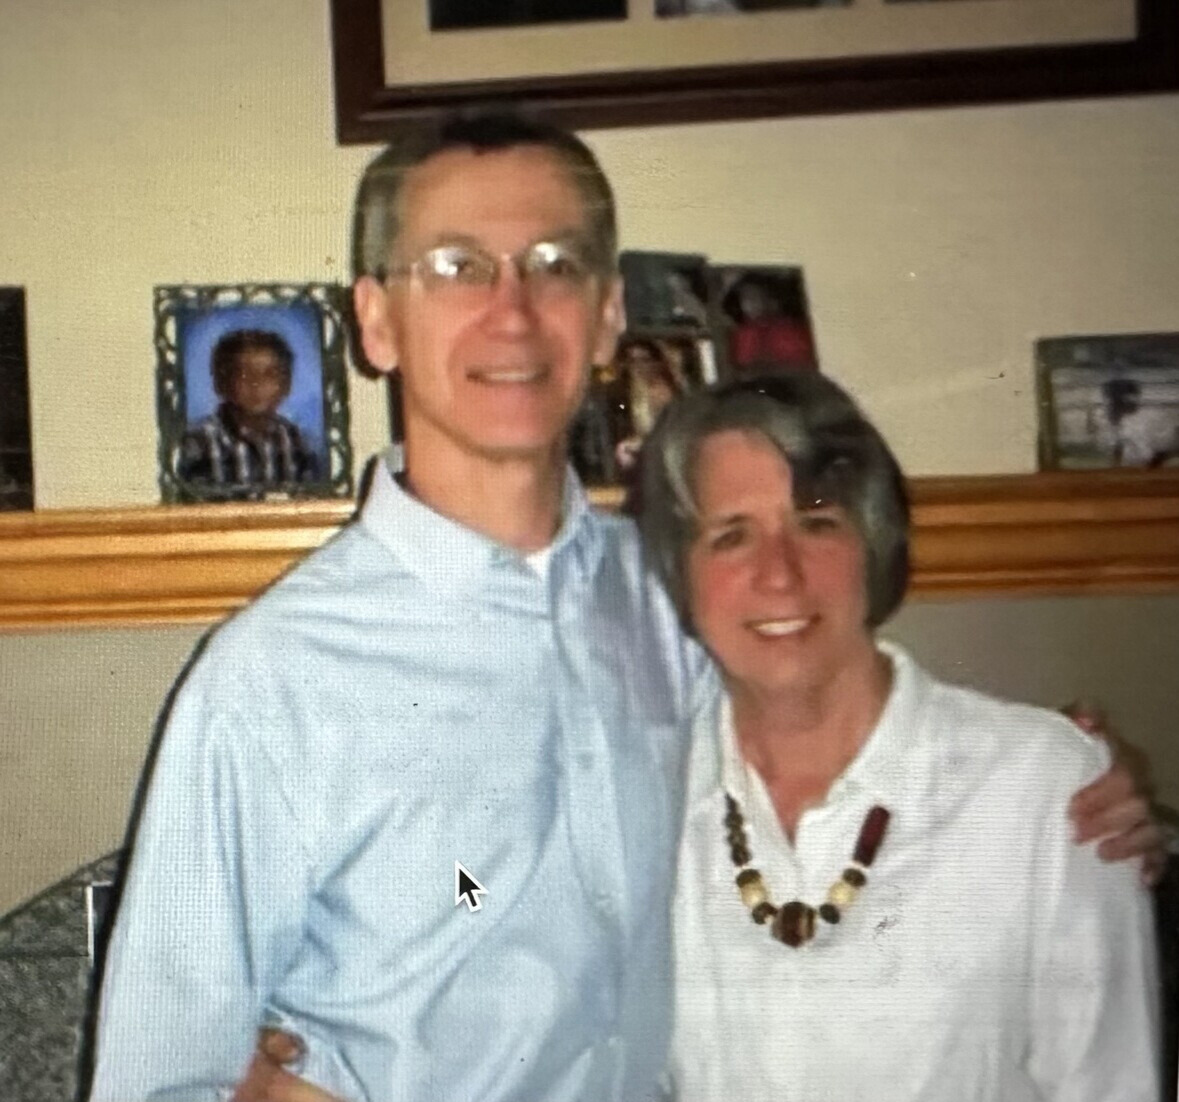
(1051, 533)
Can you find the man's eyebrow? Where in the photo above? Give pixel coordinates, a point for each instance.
(578, 237)
(447, 237)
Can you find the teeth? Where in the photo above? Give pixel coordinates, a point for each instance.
(509, 376)
(776, 628)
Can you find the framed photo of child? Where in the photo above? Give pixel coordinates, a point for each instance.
(252, 392)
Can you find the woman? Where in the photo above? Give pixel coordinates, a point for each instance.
(923, 928)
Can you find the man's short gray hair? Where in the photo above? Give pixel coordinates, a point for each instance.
(835, 455)
(376, 218)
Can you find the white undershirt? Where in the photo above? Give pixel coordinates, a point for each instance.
(987, 960)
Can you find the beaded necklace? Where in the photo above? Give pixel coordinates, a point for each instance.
(794, 922)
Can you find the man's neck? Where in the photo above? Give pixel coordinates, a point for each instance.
(515, 501)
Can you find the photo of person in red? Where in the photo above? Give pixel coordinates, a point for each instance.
(771, 330)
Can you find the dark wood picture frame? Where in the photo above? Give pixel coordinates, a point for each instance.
(368, 109)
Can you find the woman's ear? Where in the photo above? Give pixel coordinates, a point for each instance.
(371, 302)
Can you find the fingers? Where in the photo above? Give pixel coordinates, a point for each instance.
(1090, 807)
(279, 1046)
(267, 1081)
(1118, 818)
(255, 1085)
(1088, 717)
(285, 1087)
(1144, 840)
(1154, 866)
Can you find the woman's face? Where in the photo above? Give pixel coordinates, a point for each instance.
(777, 593)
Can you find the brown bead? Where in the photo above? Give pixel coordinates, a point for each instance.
(828, 912)
(741, 855)
(854, 877)
(763, 912)
(871, 835)
(747, 876)
(794, 924)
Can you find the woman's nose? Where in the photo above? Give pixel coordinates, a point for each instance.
(779, 563)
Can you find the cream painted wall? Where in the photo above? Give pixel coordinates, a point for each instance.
(157, 141)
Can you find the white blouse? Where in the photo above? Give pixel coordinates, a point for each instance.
(988, 958)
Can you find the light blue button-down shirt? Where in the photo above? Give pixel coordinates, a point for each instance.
(411, 695)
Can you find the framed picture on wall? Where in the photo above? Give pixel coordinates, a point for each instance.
(16, 450)
(665, 291)
(1108, 401)
(400, 63)
(252, 392)
(763, 319)
(626, 395)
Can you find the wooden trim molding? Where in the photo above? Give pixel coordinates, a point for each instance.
(1008, 535)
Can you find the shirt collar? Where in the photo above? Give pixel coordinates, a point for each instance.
(881, 768)
(452, 559)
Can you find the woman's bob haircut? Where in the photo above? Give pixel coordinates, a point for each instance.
(836, 456)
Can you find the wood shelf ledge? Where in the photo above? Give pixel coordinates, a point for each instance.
(1003, 535)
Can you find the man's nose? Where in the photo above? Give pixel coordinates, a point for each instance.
(510, 305)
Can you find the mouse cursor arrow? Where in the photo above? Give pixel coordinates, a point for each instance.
(466, 888)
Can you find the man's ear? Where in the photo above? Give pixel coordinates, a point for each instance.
(611, 323)
(370, 300)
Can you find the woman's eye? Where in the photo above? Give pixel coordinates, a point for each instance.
(726, 540)
(821, 520)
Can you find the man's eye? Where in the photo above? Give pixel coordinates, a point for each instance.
(457, 266)
(551, 262)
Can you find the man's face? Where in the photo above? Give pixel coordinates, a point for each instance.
(496, 372)
(259, 383)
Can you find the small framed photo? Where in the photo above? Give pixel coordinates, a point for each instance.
(251, 392)
(16, 450)
(764, 322)
(665, 291)
(627, 394)
(1108, 401)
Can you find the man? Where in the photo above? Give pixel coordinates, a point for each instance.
(476, 671)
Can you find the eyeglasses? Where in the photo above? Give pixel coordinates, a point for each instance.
(547, 269)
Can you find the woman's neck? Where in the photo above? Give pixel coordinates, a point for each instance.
(800, 741)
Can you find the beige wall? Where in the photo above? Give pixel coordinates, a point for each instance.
(160, 141)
